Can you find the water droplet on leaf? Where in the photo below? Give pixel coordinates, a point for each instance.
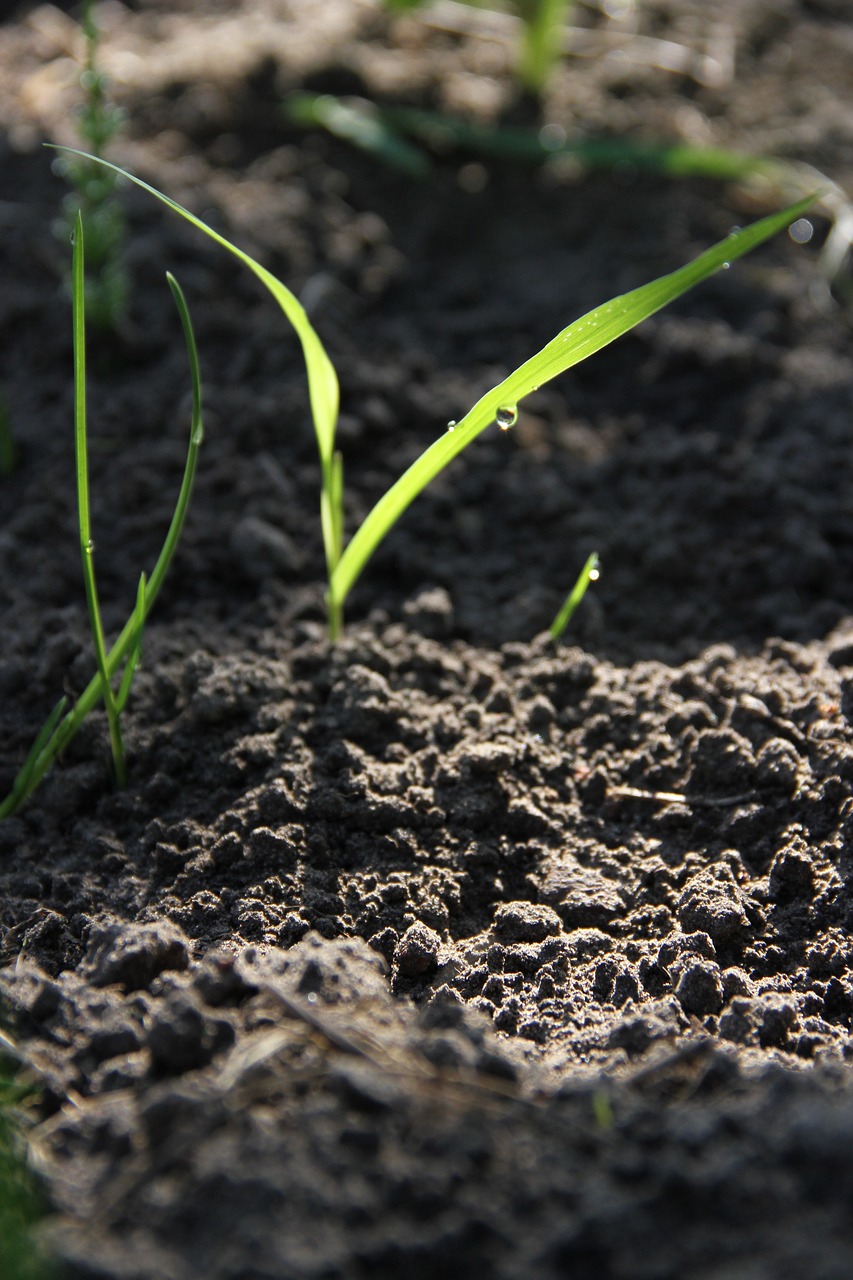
(451, 426)
(801, 231)
(506, 416)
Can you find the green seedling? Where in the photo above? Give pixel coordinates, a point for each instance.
(94, 189)
(540, 46)
(87, 546)
(589, 573)
(580, 340)
(21, 1257)
(123, 657)
(542, 23)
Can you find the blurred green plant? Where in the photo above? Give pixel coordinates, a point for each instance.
(407, 139)
(94, 189)
(542, 23)
(21, 1203)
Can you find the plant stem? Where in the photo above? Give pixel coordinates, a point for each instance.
(87, 547)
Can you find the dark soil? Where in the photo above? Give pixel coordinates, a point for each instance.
(445, 951)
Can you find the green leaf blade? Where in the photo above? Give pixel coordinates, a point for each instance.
(577, 342)
(322, 380)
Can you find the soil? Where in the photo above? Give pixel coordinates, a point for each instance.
(446, 950)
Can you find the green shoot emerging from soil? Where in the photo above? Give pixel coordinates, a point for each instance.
(61, 725)
(589, 573)
(94, 189)
(581, 339)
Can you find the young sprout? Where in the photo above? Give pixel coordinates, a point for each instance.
(87, 546)
(62, 724)
(591, 572)
(540, 46)
(577, 342)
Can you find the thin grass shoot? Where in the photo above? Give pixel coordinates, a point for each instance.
(590, 572)
(87, 546)
(62, 724)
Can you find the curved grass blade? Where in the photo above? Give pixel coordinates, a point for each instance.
(360, 123)
(87, 547)
(21, 786)
(575, 343)
(57, 732)
(323, 388)
(589, 573)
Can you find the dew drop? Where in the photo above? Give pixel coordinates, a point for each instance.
(451, 426)
(594, 575)
(506, 416)
(726, 266)
(801, 231)
(90, 548)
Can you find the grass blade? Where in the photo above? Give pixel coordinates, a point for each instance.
(323, 388)
(361, 124)
(575, 343)
(87, 547)
(136, 647)
(21, 786)
(56, 733)
(589, 573)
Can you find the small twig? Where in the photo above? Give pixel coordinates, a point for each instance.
(675, 797)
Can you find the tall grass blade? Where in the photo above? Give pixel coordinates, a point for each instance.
(323, 388)
(577, 342)
(57, 732)
(589, 573)
(87, 548)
